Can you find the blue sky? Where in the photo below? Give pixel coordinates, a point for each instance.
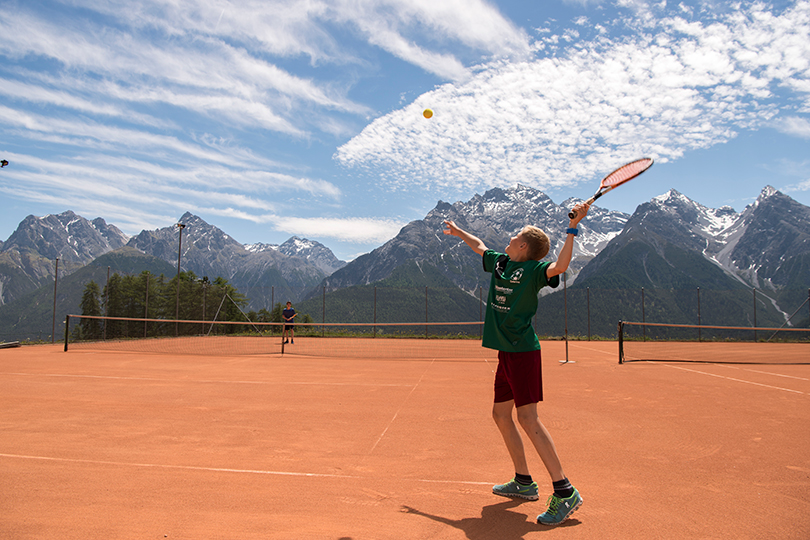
(277, 118)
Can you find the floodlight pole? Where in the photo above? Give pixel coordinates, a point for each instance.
(177, 303)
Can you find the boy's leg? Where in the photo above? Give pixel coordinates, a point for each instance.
(541, 439)
(521, 486)
(502, 414)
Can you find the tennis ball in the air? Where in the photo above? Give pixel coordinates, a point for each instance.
(427, 113)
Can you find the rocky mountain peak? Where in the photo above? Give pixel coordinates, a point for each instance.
(66, 236)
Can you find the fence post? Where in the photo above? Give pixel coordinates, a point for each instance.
(106, 304)
(374, 328)
(565, 317)
(643, 318)
(588, 292)
(55, 280)
(698, 298)
(323, 328)
(426, 311)
(146, 308)
(754, 290)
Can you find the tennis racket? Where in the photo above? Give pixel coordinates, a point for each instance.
(623, 174)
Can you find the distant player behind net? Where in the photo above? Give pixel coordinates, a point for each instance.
(289, 315)
(517, 277)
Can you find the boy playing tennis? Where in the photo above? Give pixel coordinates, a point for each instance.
(517, 277)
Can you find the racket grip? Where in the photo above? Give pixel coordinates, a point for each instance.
(572, 214)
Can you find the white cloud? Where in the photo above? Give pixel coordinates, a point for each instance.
(556, 121)
(792, 125)
(390, 24)
(361, 230)
(356, 230)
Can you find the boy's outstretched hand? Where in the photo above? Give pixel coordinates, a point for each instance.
(452, 229)
(473, 241)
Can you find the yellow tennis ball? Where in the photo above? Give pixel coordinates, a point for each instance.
(427, 113)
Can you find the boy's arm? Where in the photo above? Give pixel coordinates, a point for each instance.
(564, 259)
(474, 242)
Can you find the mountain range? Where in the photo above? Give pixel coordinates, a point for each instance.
(669, 243)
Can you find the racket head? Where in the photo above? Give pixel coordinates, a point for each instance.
(623, 174)
(626, 172)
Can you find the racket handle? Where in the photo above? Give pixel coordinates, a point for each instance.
(572, 214)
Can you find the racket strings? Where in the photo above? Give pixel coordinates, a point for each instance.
(627, 172)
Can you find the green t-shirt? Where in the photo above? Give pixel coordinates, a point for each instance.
(512, 302)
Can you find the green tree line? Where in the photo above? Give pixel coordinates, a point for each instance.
(154, 297)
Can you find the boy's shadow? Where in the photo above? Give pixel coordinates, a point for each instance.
(497, 522)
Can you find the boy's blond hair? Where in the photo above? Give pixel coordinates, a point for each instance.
(537, 242)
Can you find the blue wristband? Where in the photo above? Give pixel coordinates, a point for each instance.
(572, 231)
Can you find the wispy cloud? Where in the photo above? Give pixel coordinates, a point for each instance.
(153, 104)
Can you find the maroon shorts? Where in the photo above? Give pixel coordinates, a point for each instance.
(519, 377)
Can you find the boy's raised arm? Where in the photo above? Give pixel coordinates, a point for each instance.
(474, 242)
(564, 259)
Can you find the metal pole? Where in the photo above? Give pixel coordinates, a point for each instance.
(146, 308)
(323, 328)
(205, 294)
(374, 328)
(588, 302)
(643, 317)
(698, 298)
(55, 280)
(754, 290)
(565, 318)
(426, 311)
(106, 303)
(177, 303)
(480, 309)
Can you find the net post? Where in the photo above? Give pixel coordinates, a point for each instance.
(621, 342)
(67, 327)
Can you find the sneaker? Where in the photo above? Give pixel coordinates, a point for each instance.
(560, 509)
(286, 341)
(513, 489)
(292, 341)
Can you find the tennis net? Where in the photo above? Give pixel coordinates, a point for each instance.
(220, 338)
(640, 341)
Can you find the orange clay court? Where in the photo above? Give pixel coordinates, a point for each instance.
(142, 445)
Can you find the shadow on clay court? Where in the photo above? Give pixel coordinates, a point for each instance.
(497, 522)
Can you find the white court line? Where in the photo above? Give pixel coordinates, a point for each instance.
(736, 380)
(615, 353)
(404, 401)
(203, 381)
(769, 373)
(223, 469)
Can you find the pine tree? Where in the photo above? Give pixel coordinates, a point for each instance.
(90, 305)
